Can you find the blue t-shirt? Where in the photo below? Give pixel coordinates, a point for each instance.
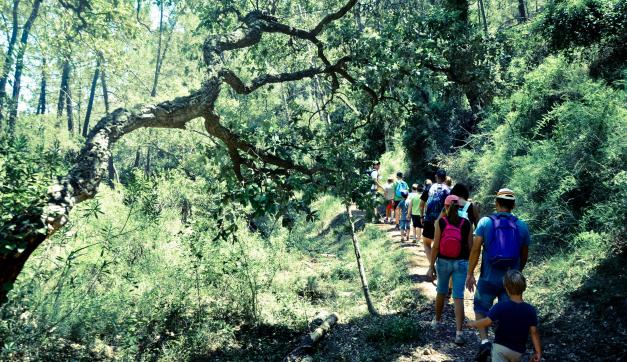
(512, 321)
(484, 229)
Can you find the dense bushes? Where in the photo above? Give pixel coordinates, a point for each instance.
(559, 142)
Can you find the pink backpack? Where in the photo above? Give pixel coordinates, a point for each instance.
(451, 239)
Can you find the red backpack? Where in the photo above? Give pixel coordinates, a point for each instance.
(451, 239)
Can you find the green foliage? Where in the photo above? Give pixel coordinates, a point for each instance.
(597, 26)
(558, 143)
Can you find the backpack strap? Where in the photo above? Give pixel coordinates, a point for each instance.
(466, 207)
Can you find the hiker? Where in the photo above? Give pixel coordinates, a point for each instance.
(404, 215)
(388, 194)
(399, 186)
(505, 240)
(448, 181)
(414, 206)
(516, 321)
(432, 199)
(467, 210)
(376, 187)
(451, 248)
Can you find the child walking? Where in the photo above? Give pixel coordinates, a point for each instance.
(404, 215)
(515, 319)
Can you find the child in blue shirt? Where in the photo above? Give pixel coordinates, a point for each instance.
(405, 215)
(515, 320)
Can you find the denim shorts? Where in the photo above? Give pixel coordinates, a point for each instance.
(446, 268)
(404, 224)
(485, 295)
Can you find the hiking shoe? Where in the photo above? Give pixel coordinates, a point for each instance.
(484, 352)
(459, 339)
(435, 324)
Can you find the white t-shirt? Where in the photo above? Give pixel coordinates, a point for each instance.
(375, 177)
(435, 187)
(389, 191)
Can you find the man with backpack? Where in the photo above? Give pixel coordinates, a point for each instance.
(399, 186)
(505, 240)
(431, 205)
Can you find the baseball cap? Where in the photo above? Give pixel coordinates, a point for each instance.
(450, 199)
(506, 194)
(441, 173)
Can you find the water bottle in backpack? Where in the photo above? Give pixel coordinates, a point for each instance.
(504, 249)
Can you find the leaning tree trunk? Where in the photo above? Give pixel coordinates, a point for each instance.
(21, 235)
(19, 63)
(41, 104)
(92, 94)
(360, 265)
(8, 58)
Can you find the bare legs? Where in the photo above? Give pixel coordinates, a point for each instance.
(459, 310)
(483, 333)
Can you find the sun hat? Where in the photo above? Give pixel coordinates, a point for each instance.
(451, 199)
(506, 194)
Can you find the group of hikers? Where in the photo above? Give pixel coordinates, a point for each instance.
(454, 237)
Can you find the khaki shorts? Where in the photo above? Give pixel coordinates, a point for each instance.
(501, 353)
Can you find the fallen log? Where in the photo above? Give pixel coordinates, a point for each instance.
(308, 342)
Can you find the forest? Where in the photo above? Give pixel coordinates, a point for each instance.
(190, 180)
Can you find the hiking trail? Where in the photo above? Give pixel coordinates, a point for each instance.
(439, 345)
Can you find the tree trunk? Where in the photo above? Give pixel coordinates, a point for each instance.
(92, 94)
(105, 91)
(138, 157)
(308, 343)
(482, 11)
(19, 63)
(522, 14)
(69, 107)
(147, 165)
(8, 58)
(153, 92)
(65, 75)
(358, 20)
(360, 266)
(112, 173)
(41, 104)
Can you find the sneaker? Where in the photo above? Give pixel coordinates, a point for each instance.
(484, 352)
(459, 339)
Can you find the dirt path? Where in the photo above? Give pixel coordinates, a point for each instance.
(440, 346)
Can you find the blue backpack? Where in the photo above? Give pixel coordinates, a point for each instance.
(504, 249)
(400, 187)
(435, 203)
